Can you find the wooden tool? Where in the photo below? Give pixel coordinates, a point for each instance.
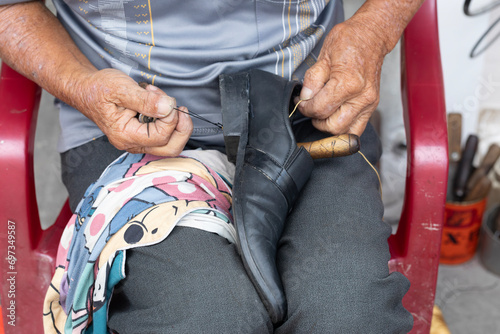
(480, 190)
(454, 148)
(336, 146)
(485, 167)
(454, 136)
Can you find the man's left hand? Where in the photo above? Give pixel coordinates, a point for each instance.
(341, 90)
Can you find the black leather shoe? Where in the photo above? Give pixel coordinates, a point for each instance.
(270, 172)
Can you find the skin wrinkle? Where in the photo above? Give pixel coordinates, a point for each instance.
(351, 59)
(391, 16)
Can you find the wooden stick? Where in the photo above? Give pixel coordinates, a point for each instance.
(336, 146)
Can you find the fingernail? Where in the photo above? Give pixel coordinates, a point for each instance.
(306, 93)
(152, 88)
(165, 106)
(170, 118)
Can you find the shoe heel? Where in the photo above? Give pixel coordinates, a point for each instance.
(235, 104)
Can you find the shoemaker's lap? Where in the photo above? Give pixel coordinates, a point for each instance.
(193, 282)
(332, 257)
(333, 254)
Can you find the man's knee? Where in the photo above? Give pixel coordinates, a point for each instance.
(192, 282)
(360, 305)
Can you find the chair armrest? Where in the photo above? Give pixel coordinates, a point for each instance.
(426, 132)
(34, 249)
(415, 247)
(18, 114)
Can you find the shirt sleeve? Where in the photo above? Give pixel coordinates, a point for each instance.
(11, 2)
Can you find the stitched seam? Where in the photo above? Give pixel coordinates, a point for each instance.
(266, 175)
(267, 155)
(282, 168)
(283, 192)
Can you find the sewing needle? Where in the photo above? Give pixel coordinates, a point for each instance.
(193, 114)
(146, 119)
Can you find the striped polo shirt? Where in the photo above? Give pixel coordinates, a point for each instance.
(183, 46)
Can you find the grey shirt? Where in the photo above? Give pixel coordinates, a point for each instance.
(183, 46)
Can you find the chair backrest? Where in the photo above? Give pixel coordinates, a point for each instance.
(30, 251)
(416, 245)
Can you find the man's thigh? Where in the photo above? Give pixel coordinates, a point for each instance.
(192, 282)
(333, 258)
(333, 254)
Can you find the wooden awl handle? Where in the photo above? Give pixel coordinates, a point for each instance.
(336, 146)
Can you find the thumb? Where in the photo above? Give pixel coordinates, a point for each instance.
(150, 102)
(315, 79)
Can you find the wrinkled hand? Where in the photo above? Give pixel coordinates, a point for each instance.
(342, 88)
(112, 100)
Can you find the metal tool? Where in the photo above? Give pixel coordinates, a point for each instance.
(146, 119)
(465, 167)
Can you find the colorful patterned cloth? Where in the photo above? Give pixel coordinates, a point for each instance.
(137, 201)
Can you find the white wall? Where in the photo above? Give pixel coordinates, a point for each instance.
(471, 84)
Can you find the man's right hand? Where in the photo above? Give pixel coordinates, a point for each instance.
(36, 45)
(112, 100)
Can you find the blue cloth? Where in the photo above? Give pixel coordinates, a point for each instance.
(136, 202)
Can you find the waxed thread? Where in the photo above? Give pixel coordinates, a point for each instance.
(295, 108)
(376, 172)
(364, 157)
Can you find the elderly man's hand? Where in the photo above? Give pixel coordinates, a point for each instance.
(112, 100)
(108, 97)
(342, 88)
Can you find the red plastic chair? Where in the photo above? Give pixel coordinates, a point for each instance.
(415, 247)
(34, 249)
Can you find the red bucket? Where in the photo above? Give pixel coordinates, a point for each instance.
(462, 222)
